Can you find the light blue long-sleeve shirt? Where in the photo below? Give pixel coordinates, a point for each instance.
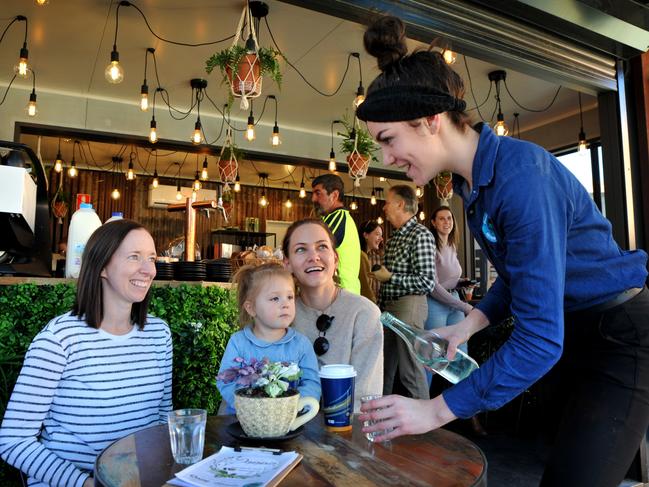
(553, 251)
(293, 347)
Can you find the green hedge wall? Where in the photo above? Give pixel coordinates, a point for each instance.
(201, 321)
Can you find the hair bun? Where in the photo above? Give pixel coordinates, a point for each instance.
(385, 39)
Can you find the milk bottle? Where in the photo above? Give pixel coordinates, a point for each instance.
(84, 221)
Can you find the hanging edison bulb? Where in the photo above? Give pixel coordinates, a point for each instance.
(197, 136)
(419, 192)
(153, 133)
(144, 98)
(196, 186)
(250, 130)
(114, 72)
(204, 174)
(302, 190)
(353, 206)
(58, 164)
(422, 215)
(155, 182)
(288, 203)
(179, 195)
(237, 184)
(500, 126)
(449, 56)
(263, 201)
(115, 194)
(72, 171)
(360, 96)
(274, 139)
(130, 174)
(373, 198)
(31, 106)
(582, 146)
(21, 69)
(332, 161)
(379, 220)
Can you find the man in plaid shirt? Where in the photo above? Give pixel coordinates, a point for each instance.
(407, 276)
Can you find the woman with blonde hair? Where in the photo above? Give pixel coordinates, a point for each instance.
(343, 327)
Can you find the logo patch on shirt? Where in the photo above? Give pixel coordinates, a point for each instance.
(488, 229)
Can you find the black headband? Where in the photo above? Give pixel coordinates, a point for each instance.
(401, 103)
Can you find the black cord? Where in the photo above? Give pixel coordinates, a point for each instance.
(167, 101)
(223, 114)
(289, 175)
(298, 71)
(168, 40)
(477, 105)
(532, 109)
(491, 119)
(220, 129)
(7, 90)
(15, 19)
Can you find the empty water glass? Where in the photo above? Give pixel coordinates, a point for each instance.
(187, 434)
(371, 436)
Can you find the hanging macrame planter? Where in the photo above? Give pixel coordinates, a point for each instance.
(444, 186)
(228, 166)
(358, 163)
(246, 82)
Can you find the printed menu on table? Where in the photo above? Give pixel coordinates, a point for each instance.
(238, 467)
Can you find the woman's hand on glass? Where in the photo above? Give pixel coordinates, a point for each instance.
(398, 415)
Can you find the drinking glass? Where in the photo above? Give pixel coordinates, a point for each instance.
(370, 436)
(187, 434)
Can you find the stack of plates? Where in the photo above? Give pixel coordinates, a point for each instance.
(219, 270)
(190, 271)
(164, 271)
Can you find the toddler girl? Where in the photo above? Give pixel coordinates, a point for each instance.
(266, 298)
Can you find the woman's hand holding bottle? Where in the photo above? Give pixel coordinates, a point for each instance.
(460, 333)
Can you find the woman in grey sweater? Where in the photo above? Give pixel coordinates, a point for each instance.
(344, 327)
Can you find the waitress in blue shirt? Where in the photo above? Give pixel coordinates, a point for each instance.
(579, 302)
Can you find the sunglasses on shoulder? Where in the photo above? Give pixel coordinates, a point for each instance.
(321, 344)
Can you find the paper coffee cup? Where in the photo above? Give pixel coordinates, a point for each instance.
(337, 381)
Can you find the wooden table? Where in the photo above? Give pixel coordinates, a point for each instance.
(440, 458)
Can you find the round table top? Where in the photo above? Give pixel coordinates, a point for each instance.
(441, 458)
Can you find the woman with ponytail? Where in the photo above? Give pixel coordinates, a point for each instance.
(579, 302)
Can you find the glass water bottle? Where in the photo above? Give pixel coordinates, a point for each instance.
(430, 350)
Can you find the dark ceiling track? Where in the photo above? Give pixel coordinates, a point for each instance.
(23, 128)
(487, 35)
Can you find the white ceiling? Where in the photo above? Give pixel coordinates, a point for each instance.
(70, 43)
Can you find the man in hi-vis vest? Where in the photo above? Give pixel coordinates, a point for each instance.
(327, 198)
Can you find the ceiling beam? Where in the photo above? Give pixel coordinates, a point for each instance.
(24, 128)
(487, 35)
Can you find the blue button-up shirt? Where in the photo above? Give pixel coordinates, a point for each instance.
(553, 251)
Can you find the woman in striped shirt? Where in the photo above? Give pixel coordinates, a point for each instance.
(96, 373)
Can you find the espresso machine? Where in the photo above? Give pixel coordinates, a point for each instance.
(25, 245)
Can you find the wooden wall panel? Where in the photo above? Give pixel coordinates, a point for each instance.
(166, 226)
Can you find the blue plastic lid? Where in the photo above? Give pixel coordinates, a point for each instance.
(117, 213)
(85, 205)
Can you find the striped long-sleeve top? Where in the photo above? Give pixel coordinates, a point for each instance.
(80, 389)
